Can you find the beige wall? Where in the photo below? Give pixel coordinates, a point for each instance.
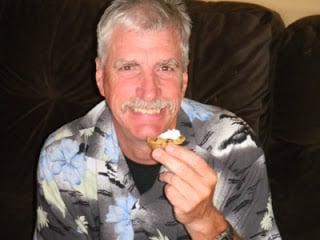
(290, 10)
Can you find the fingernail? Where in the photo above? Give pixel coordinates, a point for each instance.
(157, 152)
(170, 147)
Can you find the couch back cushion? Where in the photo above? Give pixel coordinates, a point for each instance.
(233, 53)
(297, 88)
(47, 51)
(47, 73)
(294, 154)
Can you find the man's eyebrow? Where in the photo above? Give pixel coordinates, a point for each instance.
(169, 62)
(121, 63)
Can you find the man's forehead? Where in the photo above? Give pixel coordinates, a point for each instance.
(169, 61)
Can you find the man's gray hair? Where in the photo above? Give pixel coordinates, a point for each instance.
(145, 15)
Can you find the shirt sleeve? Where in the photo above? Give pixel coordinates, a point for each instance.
(242, 193)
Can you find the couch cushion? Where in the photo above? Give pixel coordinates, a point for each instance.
(295, 150)
(47, 78)
(297, 88)
(295, 182)
(232, 59)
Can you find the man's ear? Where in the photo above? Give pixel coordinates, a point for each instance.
(184, 82)
(99, 75)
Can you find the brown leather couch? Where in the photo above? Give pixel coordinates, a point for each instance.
(243, 58)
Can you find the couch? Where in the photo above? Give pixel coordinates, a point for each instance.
(242, 58)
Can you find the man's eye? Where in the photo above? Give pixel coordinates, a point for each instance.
(166, 68)
(127, 67)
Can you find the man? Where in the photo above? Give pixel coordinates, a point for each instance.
(98, 177)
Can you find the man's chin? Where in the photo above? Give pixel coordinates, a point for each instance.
(144, 134)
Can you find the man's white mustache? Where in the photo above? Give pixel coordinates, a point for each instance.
(139, 105)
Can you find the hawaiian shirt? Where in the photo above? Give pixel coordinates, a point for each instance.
(86, 191)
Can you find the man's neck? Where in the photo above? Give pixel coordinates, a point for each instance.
(138, 151)
(144, 176)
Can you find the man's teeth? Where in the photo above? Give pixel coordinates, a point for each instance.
(146, 111)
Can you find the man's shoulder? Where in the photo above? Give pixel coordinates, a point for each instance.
(197, 111)
(218, 126)
(77, 128)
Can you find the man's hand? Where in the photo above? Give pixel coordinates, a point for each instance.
(190, 187)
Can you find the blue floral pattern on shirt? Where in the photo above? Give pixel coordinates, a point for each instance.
(66, 161)
(120, 214)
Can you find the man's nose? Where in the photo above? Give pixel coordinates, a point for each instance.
(149, 89)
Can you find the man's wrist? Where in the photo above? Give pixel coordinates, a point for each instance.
(227, 234)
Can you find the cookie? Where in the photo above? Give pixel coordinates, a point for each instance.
(171, 136)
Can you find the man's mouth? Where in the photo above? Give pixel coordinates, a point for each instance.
(146, 111)
(141, 106)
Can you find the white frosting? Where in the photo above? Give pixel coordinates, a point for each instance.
(170, 134)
